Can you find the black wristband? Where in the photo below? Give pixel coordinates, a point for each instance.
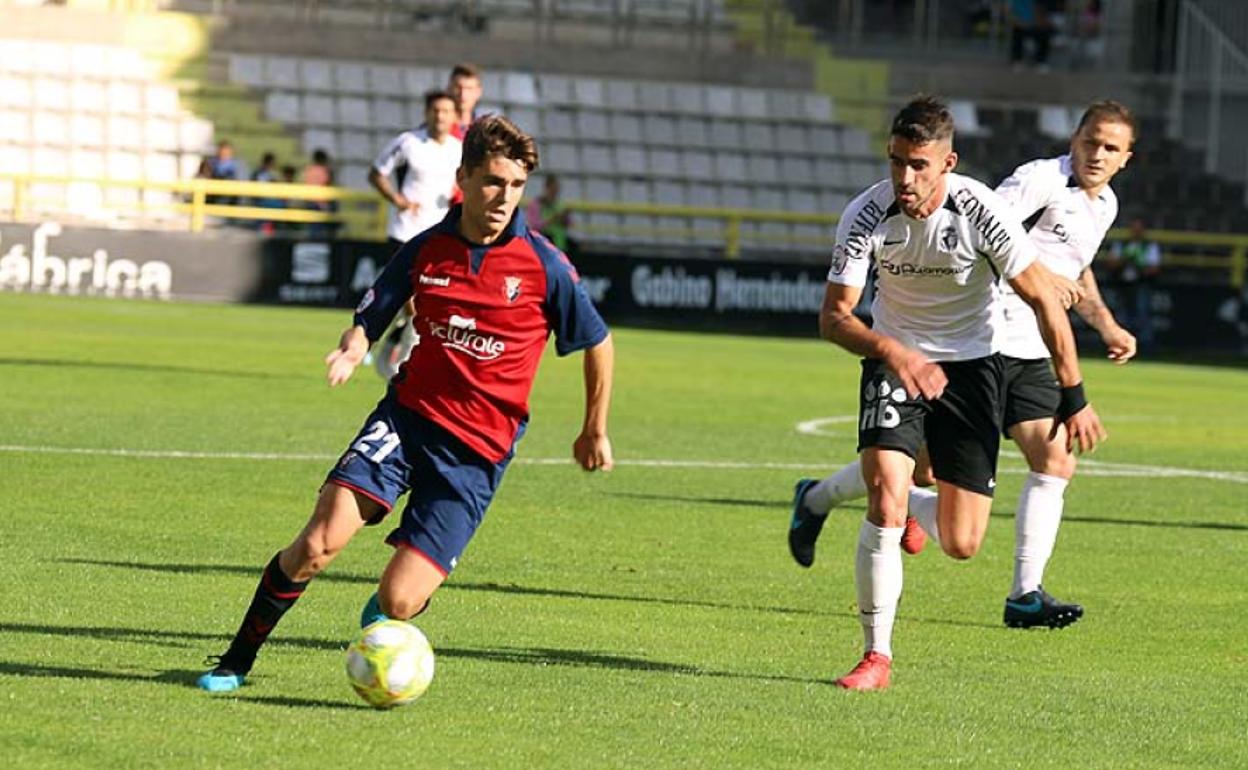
(1071, 401)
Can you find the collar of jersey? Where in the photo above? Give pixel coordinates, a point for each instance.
(477, 251)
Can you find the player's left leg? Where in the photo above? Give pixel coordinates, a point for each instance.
(1036, 522)
(451, 490)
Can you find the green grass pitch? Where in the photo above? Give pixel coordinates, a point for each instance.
(650, 617)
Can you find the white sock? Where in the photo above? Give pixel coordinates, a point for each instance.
(923, 509)
(845, 484)
(1035, 529)
(877, 574)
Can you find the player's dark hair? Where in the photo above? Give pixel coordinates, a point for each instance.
(1109, 111)
(437, 94)
(465, 70)
(924, 119)
(496, 135)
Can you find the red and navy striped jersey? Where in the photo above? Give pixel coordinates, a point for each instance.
(483, 314)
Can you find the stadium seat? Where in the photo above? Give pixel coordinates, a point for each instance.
(753, 103)
(281, 72)
(556, 90)
(316, 75)
(51, 93)
(319, 110)
(389, 114)
(519, 88)
(625, 127)
(631, 159)
(88, 96)
(418, 80)
(354, 112)
(355, 176)
(321, 139)
(386, 80)
(654, 96)
(721, 100)
(664, 162)
(351, 77)
(283, 106)
(620, 94)
(966, 118)
(1054, 122)
(15, 91)
(161, 134)
(247, 70)
(589, 92)
(698, 165)
(598, 159)
(793, 138)
(730, 167)
(527, 118)
(591, 124)
(50, 129)
(160, 99)
(14, 127)
(357, 146)
(759, 136)
(659, 129)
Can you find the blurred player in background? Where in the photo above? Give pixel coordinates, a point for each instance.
(422, 163)
(1067, 206)
(932, 371)
(489, 293)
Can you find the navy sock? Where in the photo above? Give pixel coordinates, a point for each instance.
(275, 594)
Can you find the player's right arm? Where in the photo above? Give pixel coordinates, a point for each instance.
(391, 157)
(851, 257)
(839, 325)
(373, 315)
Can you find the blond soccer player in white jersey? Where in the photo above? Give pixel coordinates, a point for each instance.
(932, 373)
(1067, 206)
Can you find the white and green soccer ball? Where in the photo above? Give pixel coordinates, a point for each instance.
(391, 664)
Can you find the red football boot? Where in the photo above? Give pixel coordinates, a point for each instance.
(871, 673)
(914, 538)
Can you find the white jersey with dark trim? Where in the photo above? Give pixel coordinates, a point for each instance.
(428, 179)
(936, 284)
(1066, 226)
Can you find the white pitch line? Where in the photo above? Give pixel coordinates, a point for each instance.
(1087, 467)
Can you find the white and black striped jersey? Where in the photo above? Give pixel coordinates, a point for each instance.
(1065, 224)
(936, 284)
(428, 178)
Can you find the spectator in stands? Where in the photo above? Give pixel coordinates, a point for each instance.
(267, 172)
(223, 165)
(1135, 263)
(1030, 21)
(465, 88)
(548, 214)
(320, 172)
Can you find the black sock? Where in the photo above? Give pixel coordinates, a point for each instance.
(275, 594)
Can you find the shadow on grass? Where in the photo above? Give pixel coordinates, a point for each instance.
(859, 506)
(533, 656)
(507, 588)
(65, 363)
(176, 678)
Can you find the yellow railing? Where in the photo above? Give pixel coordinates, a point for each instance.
(360, 214)
(363, 215)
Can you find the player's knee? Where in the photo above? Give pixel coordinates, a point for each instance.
(1060, 464)
(402, 607)
(960, 548)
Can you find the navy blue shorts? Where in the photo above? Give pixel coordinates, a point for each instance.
(451, 485)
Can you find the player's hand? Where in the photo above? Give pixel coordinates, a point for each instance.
(593, 453)
(1069, 292)
(1084, 429)
(343, 359)
(1121, 345)
(918, 375)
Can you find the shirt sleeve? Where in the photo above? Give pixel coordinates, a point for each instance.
(571, 314)
(1028, 190)
(391, 156)
(388, 293)
(853, 247)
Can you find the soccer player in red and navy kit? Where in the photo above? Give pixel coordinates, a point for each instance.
(489, 292)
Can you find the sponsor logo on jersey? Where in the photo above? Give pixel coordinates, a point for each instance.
(858, 242)
(460, 333)
(511, 288)
(910, 269)
(995, 236)
(365, 301)
(435, 280)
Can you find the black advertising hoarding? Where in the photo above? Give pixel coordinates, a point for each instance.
(695, 294)
(55, 259)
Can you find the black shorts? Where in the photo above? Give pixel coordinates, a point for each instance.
(1031, 391)
(961, 428)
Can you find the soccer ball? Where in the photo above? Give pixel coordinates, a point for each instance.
(391, 664)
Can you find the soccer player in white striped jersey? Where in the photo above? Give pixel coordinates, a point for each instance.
(1067, 206)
